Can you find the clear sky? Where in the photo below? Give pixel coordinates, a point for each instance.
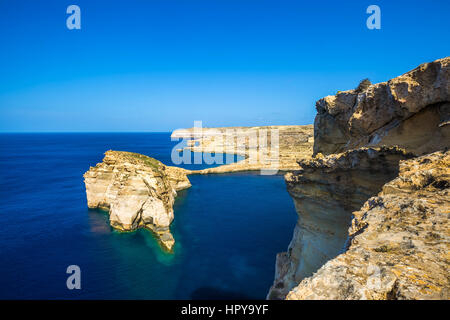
(158, 65)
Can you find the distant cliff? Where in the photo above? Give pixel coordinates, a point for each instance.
(397, 244)
(138, 191)
(264, 147)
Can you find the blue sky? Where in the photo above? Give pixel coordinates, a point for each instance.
(158, 65)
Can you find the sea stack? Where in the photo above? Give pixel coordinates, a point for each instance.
(138, 191)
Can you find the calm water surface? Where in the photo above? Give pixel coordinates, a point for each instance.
(228, 228)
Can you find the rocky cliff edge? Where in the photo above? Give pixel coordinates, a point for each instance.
(395, 207)
(411, 111)
(399, 241)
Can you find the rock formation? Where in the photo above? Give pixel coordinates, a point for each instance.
(411, 111)
(138, 191)
(326, 191)
(399, 241)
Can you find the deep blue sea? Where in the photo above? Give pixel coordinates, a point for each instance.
(228, 228)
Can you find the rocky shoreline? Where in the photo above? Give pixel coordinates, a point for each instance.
(370, 183)
(139, 191)
(275, 148)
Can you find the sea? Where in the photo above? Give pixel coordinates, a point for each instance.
(228, 228)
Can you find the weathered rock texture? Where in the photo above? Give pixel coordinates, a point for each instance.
(411, 111)
(264, 148)
(399, 241)
(326, 191)
(137, 190)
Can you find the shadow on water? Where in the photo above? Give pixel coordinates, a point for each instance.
(140, 238)
(211, 293)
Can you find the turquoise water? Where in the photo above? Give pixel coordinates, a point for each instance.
(228, 228)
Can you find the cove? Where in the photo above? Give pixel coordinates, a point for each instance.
(229, 227)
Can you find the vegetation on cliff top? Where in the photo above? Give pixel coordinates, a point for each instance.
(136, 157)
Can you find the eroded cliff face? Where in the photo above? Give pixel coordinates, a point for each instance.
(397, 246)
(138, 191)
(399, 241)
(411, 111)
(325, 192)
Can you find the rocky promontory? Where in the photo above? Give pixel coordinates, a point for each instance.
(138, 191)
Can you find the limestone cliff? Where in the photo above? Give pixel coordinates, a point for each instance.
(399, 241)
(137, 190)
(326, 191)
(264, 147)
(411, 111)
